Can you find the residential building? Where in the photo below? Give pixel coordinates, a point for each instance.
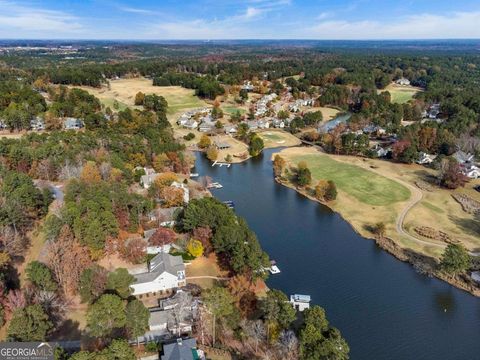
(403, 82)
(230, 129)
(425, 158)
(220, 145)
(148, 179)
(165, 272)
(37, 124)
(72, 124)
(463, 157)
(472, 172)
(300, 302)
(182, 349)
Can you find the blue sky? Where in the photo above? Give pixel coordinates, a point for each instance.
(240, 19)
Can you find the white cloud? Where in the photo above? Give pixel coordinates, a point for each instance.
(421, 26)
(252, 12)
(137, 10)
(17, 20)
(324, 15)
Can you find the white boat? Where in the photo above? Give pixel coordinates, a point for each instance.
(194, 175)
(215, 185)
(274, 269)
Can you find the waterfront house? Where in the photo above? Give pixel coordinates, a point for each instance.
(300, 302)
(220, 145)
(165, 272)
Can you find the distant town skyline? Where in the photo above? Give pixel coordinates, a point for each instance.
(235, 19)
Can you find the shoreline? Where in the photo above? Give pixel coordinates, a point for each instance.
(422, 263)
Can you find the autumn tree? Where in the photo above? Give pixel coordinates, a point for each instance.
(279, 164)
(195, 247)
(212, 153)
(204, 235)
(134, 250)
(240, 286)
(204, 142)
(67, 259)
(90, 173)
(164, 180)
(172, 196)
(451, 175)
(139, 98)
(162, 236)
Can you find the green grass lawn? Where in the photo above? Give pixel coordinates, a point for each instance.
(364, 185)
(109, 103)
(402, 96)
(183, 102)
(271, 136)
(230, 110)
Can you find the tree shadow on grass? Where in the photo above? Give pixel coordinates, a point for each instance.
(67, 330)
(469, 226)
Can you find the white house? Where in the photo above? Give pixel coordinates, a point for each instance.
(166, 272)
(403, 82)
(300, 302)
(230, 129)
(472, 171)
(425, 158)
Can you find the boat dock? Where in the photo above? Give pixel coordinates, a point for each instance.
(221, 164)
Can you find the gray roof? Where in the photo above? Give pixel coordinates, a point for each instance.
(159, 317)
(180, 350)
(158, 265)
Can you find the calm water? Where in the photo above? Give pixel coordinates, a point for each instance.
(383, 308)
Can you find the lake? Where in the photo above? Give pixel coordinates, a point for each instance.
(384, 309)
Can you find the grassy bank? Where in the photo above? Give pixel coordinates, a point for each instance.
(371, 191)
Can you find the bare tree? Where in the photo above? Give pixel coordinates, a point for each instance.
(256, 330)
(289, 344)
(105, 169)
(69, 171)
